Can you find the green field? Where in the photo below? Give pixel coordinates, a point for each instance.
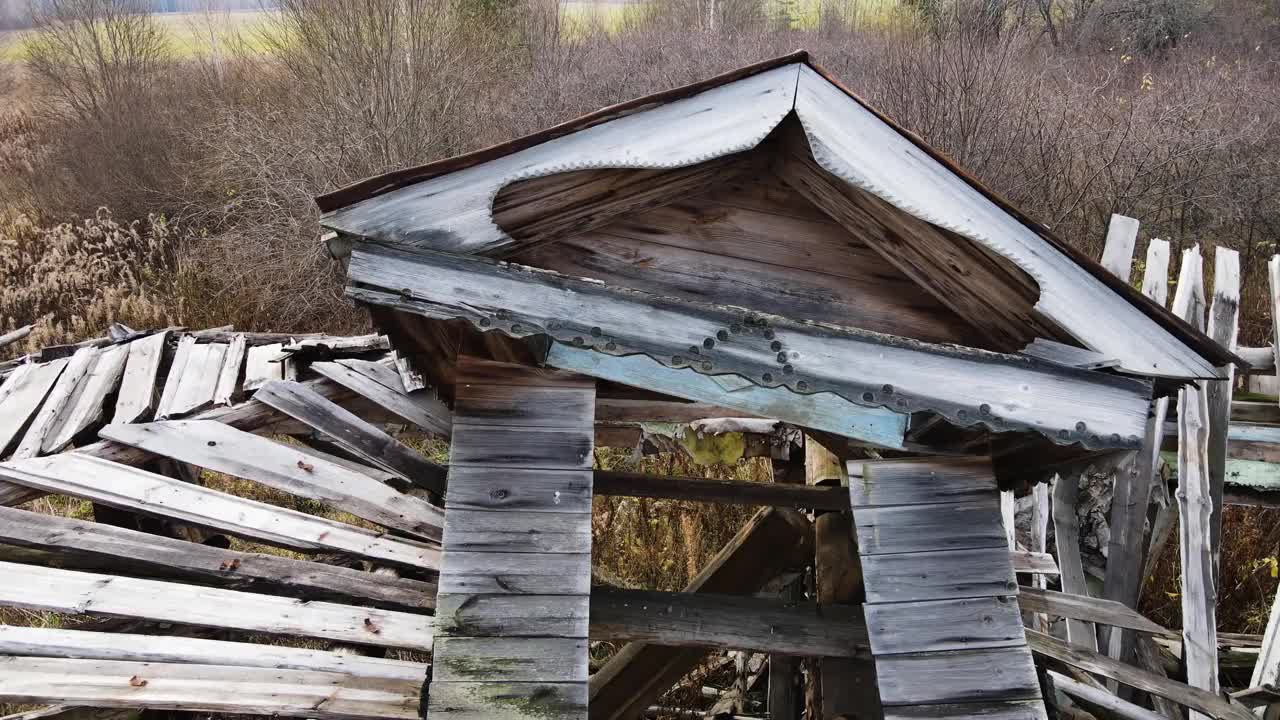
(190, 34)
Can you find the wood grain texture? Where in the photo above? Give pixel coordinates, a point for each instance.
(1117, 252)
(56, 403)
(421, 409)
(514, 406)
(1093, 610)
(56, 642)
(23, 393)
(298, 401)
(76, 593)
(522, 489)
(206, 688)
(138, 387)
(961, 676)
(1224, 328)
(259, 368)
(1066, 533)
(1003, 710)
(214, 446)
(197, 381)
(507, 701)
(502, 531)
(129, 488)
(728, 621)
(510, 659)
(521, 447)
(927, 528)
(511, 615)
(910, 482)
(82, 545)
(516, 573)
(937, 625)
(173, 378)
(85, 407)
(228, 385)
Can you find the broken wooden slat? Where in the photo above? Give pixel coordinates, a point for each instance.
(177, 369)
(1224, 320)
(1066, 533)
(822, 411)
(411, 379)
(75, 592)
(358, 436)
(1101, 698)
(56, 402)
(198, 381)
(1111, 410)
(638, 674)
(22, 394)
(1117, 253)
(86, 406)
(14, 336)
(1093, 610)
(1068, 355)
(330, 344)
(1025, 561)
(258, 368)
(224, 391)
(133, 489)
(82, 545)
(206, 688)
(1199, 593)
(137, 395)
(56, 642)
(728, 621)
(214, 446)
(1208, 703)
(421, 409)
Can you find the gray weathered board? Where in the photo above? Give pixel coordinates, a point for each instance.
(137, 396)
(942, 615)
(422, 408)
(21, 394)
(515, 585)
(969, 387)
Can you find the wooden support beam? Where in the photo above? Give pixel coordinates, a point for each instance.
(88, 645)
(634, 678)
(422, 409)
(77, 593)
(1093, 695)
(1089, 609)
(83, 545)
(1224, 321)
(1066, 533)
(133, 489)
(206, 688)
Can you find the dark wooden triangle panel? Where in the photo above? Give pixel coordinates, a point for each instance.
(515, 582)
(941, 609)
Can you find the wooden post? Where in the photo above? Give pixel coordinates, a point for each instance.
(784, 702)
(1117, 254)
(1224, 317)
(512, 611)
(1066, 533)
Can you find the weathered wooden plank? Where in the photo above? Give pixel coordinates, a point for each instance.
(422, 409)
(487, 488)
(56, 642)
(926, 528)
(1066, 533)
(1093, 610)
(1003, 710)
(501, 531)
(512, 615)
(85, 407)
(82, 545)
(75, 592)
(379, 372)
(177, 369)
(56, 402)
(728, 621)
(14, 336)
(226, 388)
(511, 405)
(326, 345)
(909, 482)
(735, 492)
(303, 404)
(479, 371)
(23, 393)
(137, 395)
(961, 676)
(509, 659)
(411, 378)
(133, 489)
(1117, 253)
(1224, 321)
(71, 712)
(1195, 504)
(507, 701)
(1068, 355)
(1208, 703)
(206, 688)
(517, 573)
(214, 446)
(1267, 670)
(635, 677)
(1273, 283)
(937, 625)
(1099, 697)
(1025, 561)
(523, 447)
(258, 367)
(821, 411)
(198, 381)
(1016, 392)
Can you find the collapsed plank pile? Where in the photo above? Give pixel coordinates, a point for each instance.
(759, 256)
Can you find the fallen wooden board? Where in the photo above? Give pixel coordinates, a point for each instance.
(22, 394)
(258, 368)
(358, 436)
(86, 407)
(77, 593)
(214, 446)
(224, 391)
(137, 395)
(56, 402)
(1211, 704)
(133, 489)
(422, 409)
(206, 688)
(1091, 609)
(83, 545)
(177, 369)
(1101, 698)
(56, 642)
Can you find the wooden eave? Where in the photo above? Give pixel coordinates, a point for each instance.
(447, 206)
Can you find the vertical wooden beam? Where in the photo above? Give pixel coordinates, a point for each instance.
(1039, 537)
(1199, 598)
(1117, 255)
(1066, 533)
(784, 674)
(1125, 560)
(1273, 279)
(848, 685)
(1224, 323)
(515, 584)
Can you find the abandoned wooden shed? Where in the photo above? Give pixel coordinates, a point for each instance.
(760, 253)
